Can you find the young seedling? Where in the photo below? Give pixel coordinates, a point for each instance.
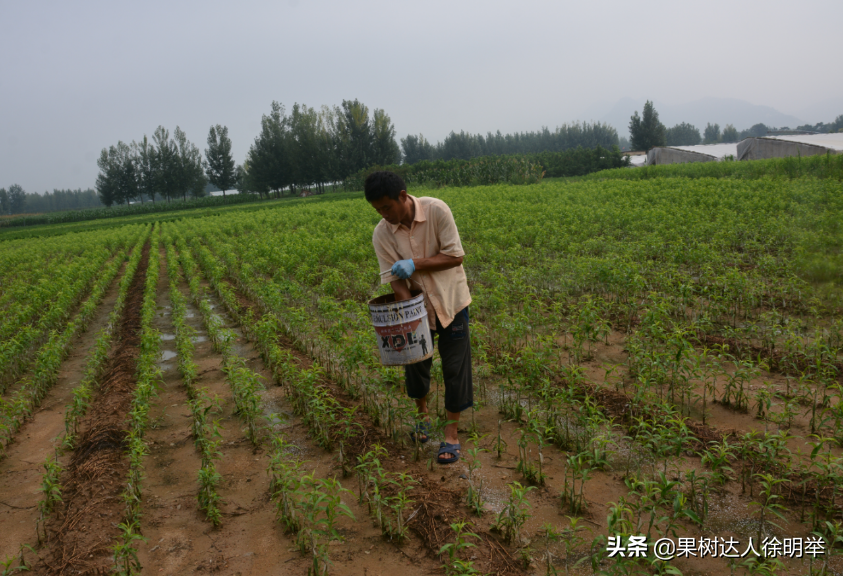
(51, 489)
(717, 457)
(531, 471)
(474, 497)
(768, 506)
(400, 502)
(579, 469)
(515, 513)
(571, 540)
(698, 496)
(500, 444)
(456, 566)
(551, 534)
(345, 432)
(22, 566)
(125, 554)
(832, 536)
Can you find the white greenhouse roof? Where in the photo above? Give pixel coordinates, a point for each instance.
(832, 141)
(716, 150)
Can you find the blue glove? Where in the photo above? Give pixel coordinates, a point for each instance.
(403, 269)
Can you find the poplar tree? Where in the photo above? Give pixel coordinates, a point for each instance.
(730, 134)
(16, 199)
(219, 165)
(145, 160)
(646, 131)
(711, 135)
(189, 175)
(268, 165)
(164, 163)
(117, 181)
(385, 149)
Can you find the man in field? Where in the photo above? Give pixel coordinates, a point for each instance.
(417, 241)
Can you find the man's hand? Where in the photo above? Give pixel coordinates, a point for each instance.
(403, 269)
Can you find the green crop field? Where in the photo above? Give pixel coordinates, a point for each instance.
(655, 353)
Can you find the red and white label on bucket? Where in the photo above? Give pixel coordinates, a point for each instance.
(399, 336)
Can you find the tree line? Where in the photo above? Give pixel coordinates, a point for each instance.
(164, 167)
(823, 128)
(646, 131)
(464, 146)
(16, 200)
(500, 168)
(310, 147)
(13, 200)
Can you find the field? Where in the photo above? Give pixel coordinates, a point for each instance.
(656, 357)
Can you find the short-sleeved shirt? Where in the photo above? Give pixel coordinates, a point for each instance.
(432, 232)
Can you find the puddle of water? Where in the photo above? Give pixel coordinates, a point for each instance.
(168, 336)
(168, 355)
(197, 339)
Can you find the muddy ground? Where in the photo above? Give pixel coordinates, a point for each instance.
(179, 540)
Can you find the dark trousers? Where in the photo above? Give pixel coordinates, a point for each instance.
(455, 351)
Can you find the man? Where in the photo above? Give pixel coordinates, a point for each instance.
(417, 241)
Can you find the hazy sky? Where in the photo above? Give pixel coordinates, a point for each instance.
(78, 76)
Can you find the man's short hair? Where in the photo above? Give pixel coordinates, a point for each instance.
(383, 183)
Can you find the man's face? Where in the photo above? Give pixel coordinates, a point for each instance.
(393, 211)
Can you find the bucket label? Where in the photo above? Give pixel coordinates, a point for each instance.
(396, 315)
(399, 336)
(402, 331)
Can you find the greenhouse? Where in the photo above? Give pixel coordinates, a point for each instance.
(683, 154)
(789, 145)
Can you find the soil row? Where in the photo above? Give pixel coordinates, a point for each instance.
(85, 526)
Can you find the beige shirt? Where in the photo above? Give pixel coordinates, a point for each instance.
(433, 231)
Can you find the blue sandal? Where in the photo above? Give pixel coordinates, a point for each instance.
(445, 448)
(422, 429)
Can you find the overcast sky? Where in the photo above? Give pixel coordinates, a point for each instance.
(78, 76)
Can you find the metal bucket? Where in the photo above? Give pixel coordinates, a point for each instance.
(402, 329)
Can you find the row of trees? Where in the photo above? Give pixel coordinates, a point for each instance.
(164, 167)
(501, 168)
(647, 131)
(464, 146)
(13, 200)
(17, 201)
(823, 128)
(310, 147)
(685, 134)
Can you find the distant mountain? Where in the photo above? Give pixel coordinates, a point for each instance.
(739, 113)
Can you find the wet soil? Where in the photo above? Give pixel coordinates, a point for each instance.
(22, 468)
(85, 526)
(250, 539)
(731, 514)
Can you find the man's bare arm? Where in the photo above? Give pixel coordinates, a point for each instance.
(432, 264)
(437, 263)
